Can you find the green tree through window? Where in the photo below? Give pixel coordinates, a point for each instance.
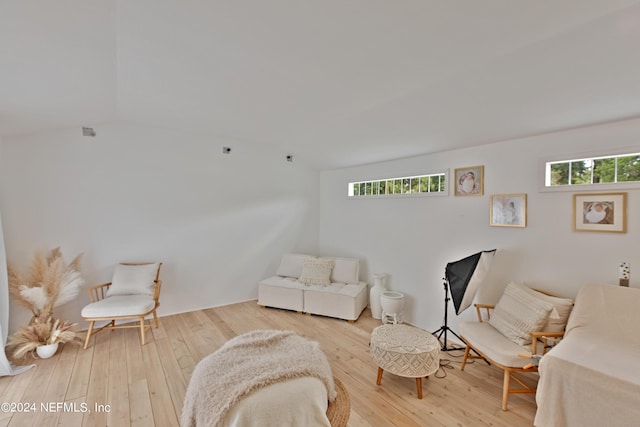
(599, 170)
(629, 168)
(433, 183)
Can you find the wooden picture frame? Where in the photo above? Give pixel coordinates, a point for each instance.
(469, 181)
(508, 210)
(600, 212)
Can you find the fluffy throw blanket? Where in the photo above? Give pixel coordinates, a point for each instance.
(246, 363)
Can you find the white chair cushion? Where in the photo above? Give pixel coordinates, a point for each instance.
(490, 342)
(316, 272)
(520, 312)
(133, 279)
(345, 270)
(119, 305)
(291, 265)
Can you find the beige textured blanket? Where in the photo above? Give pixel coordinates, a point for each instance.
(246, 363)
(591, 378)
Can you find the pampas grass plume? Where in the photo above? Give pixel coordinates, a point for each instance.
(28, 338)
(51, 283)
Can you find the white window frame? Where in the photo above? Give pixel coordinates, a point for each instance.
(443, 173)
(544, 166)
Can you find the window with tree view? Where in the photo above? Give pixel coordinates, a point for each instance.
(416, 185)
(597, 170)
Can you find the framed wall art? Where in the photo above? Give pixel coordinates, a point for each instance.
(508, 210)
(469, 181)
(600, 212)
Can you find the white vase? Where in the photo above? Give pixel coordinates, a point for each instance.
(45, 351)
(374, 295)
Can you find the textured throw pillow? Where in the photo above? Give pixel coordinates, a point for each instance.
(316, 272)
(519, 312)
(133, 279)
(559, 316)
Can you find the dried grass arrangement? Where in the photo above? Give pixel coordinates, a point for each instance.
(52, 283)
(28, 338)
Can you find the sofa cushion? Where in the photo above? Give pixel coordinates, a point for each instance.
(281, 292)
(350, 290)
(345, 270)
(291, 265)
(520, 312)
(490, 342)
(340, 300)
(316, 271)
(283, 282)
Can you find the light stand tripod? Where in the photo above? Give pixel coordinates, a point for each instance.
(445, 327)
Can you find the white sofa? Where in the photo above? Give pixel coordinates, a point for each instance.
(344, 298)
(592, 377)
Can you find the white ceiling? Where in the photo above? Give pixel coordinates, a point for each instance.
(335, 82)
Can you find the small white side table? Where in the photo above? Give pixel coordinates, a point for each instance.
(392, 306)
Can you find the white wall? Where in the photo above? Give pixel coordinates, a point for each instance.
(412, 239)
(219, 222)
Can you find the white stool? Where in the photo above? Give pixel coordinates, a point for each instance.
(392, 305)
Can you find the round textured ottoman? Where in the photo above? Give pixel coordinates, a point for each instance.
(405, 351)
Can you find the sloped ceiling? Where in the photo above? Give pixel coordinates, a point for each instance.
(335, 82)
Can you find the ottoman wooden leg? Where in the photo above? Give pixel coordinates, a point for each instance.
(419, 387)
(379, 380)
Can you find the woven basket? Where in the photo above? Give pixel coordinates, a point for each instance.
(339, 410)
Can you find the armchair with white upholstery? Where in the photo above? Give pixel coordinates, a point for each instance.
(132, 295)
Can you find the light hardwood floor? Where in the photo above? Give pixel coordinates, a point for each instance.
(145, 385)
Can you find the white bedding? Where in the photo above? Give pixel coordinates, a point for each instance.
(248, 363)
(592, 377)
(296, 402)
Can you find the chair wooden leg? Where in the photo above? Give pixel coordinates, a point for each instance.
(505, 389)
(86, 341)
(142, 330)
(379, 380)
(155, 318)
(419, 387)
(466, 356)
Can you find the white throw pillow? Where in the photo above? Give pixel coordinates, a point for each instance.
(291, 265)
(133, 279)
(519, 312)
(558, 319)
(316, 272)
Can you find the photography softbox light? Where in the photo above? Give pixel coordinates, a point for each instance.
(465, 277)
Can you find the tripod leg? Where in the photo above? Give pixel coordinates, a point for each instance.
(456, 335)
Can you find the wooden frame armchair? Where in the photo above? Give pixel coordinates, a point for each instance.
(492, 346)
(128, 303)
